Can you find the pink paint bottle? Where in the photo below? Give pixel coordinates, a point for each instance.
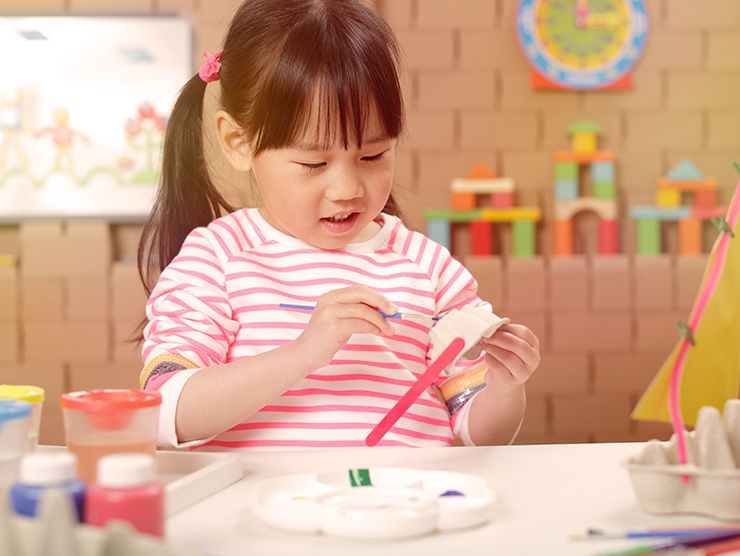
(127, 489)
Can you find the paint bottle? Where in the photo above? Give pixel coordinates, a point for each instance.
(41, 471)
(127, 489)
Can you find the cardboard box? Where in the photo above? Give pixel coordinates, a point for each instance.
(88, 299)
(89, 248)
(561, 373)
(42, 249)
(595, 413)
(66, 341)
(525, 284)
(569, 284)
(128, 295)
(42, 299)
(126, 241)
(9, 294)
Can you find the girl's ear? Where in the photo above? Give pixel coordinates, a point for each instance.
(233, 142)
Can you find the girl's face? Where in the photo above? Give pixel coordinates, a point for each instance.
(327, 198)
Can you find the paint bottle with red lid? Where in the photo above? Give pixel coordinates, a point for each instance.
(127, 489)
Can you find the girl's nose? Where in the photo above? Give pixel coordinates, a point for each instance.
(344, 186)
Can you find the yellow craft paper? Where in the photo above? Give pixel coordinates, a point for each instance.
(711, 374)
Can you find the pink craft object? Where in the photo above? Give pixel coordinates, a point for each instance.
(209, 71)
(425, 381)
(674, 404)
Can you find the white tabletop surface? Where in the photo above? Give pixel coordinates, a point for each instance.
(545, 494)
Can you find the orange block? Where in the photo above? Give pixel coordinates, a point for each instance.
(706, 198)
(581, 158)
(463, 201)
(689, 237)
(562, 244)
(480, 171)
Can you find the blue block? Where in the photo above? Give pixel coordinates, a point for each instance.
(566, 190)
(439, 231)
(663, 214)
(602, 172)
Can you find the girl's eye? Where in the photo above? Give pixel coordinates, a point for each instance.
(374, 157)
(312, 167)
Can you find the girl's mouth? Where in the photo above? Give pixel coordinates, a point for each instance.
(341, 224)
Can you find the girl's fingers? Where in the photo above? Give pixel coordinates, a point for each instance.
(519, 331)
(529, 355)
(362, 294)
(363, 312)
(510, 360)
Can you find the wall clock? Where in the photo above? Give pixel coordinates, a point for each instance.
(582, 44)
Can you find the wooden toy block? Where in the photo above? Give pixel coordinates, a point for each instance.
(560, 373)
(480, 171)
(452, 215)
(583, 143)
(489, 273)
(605, 190)
(602, 171)
(653, 282)
(605, 209)
(608, 237)
(523, 238)
(706, 198)
(566, 190)
(668, 197)
(568, 283)
(525, 284)
(584, 158)
(511, 214)
(566, 171)
(610, 283)
(463, 201)
(483, 186)
(685, 170)
(708, 213)
(689, 237)
(562, 238)
(689, 274)
(502, 200)
(481, 238)
(579, 413)
(689, 186)
(657, 330)
(648, 237)
(439, 230)
(626, 371)
(645, 212)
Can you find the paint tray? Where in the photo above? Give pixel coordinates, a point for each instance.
(713, 485)
(376, 503)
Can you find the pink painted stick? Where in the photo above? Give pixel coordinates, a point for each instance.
(715, 272)
(424, 382)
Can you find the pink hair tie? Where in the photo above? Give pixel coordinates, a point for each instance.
(209, 70)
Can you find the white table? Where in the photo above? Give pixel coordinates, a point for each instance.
(545, 493)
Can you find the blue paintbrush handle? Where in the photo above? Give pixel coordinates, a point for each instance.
(398, 315)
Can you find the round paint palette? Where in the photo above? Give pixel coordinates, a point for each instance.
(375, 503)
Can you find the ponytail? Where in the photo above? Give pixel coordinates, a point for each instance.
(186, 197)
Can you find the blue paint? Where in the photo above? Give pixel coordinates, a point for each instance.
(448, 493)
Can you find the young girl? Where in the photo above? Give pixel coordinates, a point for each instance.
(311, 107)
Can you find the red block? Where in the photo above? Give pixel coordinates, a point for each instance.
(608, 237)
(706, 198)
(502, 200)
(481, 238)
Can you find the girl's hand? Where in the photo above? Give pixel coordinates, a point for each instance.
(338, 315)
(512, 355)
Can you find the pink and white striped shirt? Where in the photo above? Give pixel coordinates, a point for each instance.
(218, 301)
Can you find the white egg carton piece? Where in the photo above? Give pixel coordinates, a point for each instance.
(709, 484)
(400, 502)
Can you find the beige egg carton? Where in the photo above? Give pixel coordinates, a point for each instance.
(709, 484)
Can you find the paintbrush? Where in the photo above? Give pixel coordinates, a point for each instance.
(399, 315)
(600, 534)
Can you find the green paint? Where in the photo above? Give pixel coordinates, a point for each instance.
(359, 477)
(523, 238)
(648, 237)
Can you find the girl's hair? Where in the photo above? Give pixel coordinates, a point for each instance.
(284, 63)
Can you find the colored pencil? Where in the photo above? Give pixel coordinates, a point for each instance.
(398, 315)
(424, 382)
(600, 534)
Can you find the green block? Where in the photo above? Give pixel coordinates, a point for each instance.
(604, 190)
(452, 215)
(359, 477)
(648, 237)
(523, 238)
(566, 171)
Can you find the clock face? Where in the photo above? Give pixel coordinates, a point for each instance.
(582, 44)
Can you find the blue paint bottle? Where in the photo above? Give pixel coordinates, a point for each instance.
(41, 471)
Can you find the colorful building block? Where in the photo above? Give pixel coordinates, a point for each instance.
(562, 244)
(483, 186)
(668, 197)
(523, 238)
(606, 209)
(648, 237)
(605, 190)
(439, 230)
(706, 198)
(690, 237)
(608, 237)
(481, 236)
(566, 190)
(644, 212)
(685, 170)
(583, 135)
(602, 172)
(452, 215)
(566, 171)
(511, 214)
(502, 200)
(463, 201)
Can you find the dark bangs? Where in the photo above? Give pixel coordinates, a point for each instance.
(334, 70)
